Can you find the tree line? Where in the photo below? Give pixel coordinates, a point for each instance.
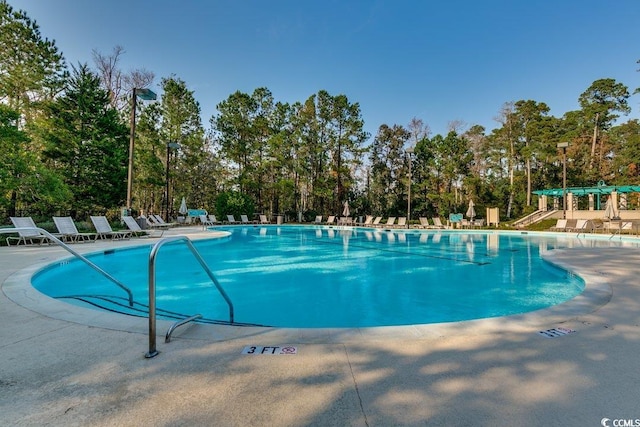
(64, 146)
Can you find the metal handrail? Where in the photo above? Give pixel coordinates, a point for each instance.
(60, 243)
(152, 287)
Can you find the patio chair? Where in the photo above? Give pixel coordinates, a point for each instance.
(161, 221)
(205, 221)
(437, 222)
(318, 219)
(232, 220)
(424, 222)
(68, 232)
(104, 230)
(244, 219)
(561, 225)
(135, 228)
(368, 220)
(264, 220)
(376, 221)
(402, 222)
(331, 220)
(153, 223)
(390, 221)
(213, 219)
(31, 236)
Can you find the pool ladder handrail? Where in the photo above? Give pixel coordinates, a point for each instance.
(152, 291)
(60, 243)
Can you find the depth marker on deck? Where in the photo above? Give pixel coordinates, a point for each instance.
(269, 350)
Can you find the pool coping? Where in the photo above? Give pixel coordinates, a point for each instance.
(597, 293)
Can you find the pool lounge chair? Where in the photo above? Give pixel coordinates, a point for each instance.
(318, 219)
(26, 237)
(135, 228)
(232, 220)
(245, 220)
(205, 221)
(424, 222)
(402, 222)
(264, 219)
(331, 220)
(561, 225)
(437, 222)
(376, 221)
(390, 222)
(68, 232)
(368, 220)
(213, 219)
(104, 230)
(161, 221)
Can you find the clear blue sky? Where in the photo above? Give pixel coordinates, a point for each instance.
(433, 59)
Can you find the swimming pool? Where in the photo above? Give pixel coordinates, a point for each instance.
(318, 277)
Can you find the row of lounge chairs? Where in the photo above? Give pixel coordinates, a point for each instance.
(591, 226)
(68, 231)
(209, 220)
(370, 221)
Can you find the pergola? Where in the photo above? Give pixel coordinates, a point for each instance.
(592, 192)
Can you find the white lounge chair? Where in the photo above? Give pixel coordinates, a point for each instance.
(561, 225)
(437, 222)
(264, 219)
(68, 232)
(331, 220)
(376, 221)
(424, 222)
(205, 221)
(26, 236)
(232, 220)
(161, 221)
(402, 222)
(244, 219)
(104, 230)
(368, 220)
(153, 223)
(135, 228)
(318, 219)
(213, 219)
(390, 221)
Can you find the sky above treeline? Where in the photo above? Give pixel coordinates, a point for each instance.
(439, 61)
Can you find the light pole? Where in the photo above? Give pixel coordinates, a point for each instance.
(170, 145)
(409, 151)
(564, 146)
(147, 95)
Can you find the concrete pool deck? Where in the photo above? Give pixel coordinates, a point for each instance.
(65, 365)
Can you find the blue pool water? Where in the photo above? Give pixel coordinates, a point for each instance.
(313, 277)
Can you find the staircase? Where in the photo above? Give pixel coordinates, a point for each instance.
(533, 218)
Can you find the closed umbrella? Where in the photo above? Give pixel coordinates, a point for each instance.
(471, 212)
(183, 207)
(610, 210)
(346, 211)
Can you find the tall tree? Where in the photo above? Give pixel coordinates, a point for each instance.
(388, 169)
(86, 142)
(31, 67)
(599, 103)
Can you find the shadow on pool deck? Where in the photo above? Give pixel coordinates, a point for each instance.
(60, 372)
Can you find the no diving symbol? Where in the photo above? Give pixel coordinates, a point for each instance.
(289, 350)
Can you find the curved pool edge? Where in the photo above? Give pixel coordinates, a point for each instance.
(597, 293)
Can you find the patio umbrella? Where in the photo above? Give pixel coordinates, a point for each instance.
(345, 211)
(610, 209)
(183, 207)
(471, 212)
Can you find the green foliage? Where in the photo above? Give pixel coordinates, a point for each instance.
(234, 203)
(86, 143)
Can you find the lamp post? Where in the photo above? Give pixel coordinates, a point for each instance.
(147, 95)
(170, 145)
(564, 146)
(409, 151)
